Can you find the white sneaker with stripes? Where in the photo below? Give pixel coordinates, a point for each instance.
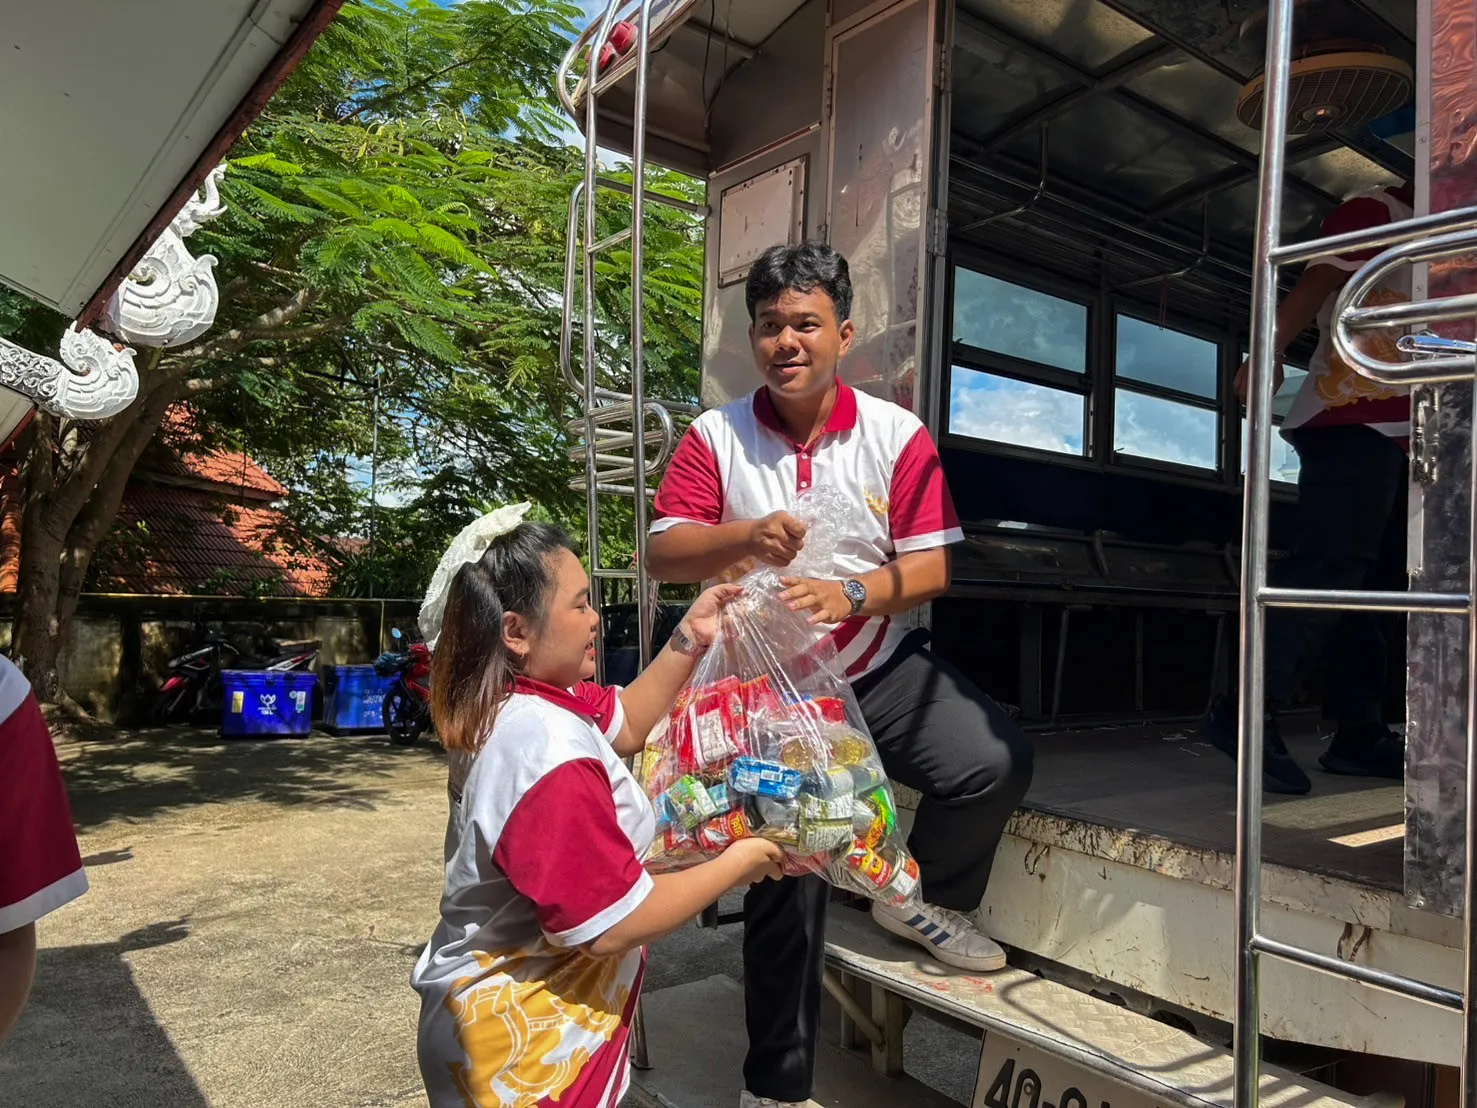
(749, 1100)
(949, 936)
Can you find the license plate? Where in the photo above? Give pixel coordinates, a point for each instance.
(1013, 1075)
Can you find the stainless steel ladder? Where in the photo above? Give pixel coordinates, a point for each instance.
(613, 432)
(624, 437)
(1425, 238)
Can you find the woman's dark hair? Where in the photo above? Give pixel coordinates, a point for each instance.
(803, 268)
(472, 669)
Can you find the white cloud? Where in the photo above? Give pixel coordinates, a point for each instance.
(1003, 410)
(395, 485)
(1148, 427)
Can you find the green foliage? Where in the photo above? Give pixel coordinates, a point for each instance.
(409, 176)
(391, 265)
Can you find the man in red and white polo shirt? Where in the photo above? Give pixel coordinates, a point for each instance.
(1351, 435)
(722, 507)
(40, 866)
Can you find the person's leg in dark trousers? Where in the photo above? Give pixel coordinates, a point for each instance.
(1349, 484)
(1354, 670)
(1356, 662)
(939, 734)
(784, 954)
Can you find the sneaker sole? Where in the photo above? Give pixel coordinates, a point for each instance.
(948, 958)
(1285, 788)
(1340, 767)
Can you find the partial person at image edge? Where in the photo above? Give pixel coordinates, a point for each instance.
(1352, 437)
(40, 864)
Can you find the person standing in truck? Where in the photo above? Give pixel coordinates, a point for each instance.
(722, 509)
(1352, 436)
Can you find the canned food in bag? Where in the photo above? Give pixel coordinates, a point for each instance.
(829, 781)
(825, 824)
(904, 883)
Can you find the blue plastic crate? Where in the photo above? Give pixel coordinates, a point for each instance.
(354, 698)
(267, 702)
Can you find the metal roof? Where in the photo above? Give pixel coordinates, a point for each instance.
(1148, 169)
(113, 113)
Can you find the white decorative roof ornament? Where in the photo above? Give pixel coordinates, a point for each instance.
(98, 381)
(170, 297)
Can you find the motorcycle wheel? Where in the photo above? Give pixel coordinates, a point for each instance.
(167, 707)
(401, 717)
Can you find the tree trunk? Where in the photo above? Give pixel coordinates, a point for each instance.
(66, 515)
(35, 643)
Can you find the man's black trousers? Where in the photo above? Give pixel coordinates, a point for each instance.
(939, 734)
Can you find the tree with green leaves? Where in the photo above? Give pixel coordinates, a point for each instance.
(390, 267)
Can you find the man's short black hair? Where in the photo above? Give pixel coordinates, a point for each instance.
(804, 268)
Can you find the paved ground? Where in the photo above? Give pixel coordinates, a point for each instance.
(255, 911)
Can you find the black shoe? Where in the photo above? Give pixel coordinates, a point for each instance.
(1280, 773)
(1365, 750)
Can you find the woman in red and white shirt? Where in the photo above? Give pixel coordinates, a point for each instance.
(529, 984)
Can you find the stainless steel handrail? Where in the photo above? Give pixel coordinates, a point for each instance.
(621, 67)
(1419, 239)
(1350, 318)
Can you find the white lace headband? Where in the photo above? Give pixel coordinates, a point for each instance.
(468, 546)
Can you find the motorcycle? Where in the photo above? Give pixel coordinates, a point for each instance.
(407, 705)
(193, 687)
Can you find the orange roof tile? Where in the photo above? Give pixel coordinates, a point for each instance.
(189, 539)
(173, 540)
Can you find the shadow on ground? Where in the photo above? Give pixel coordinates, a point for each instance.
(52, 1056)
(132, 775)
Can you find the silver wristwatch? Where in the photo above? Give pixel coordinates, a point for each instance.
(682, 644)
(856, 592)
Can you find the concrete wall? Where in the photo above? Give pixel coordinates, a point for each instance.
(119, 646)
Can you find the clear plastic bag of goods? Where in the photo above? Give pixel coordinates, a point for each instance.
(767, 739)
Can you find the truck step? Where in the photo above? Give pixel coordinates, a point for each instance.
(696, 1042)
(1170, 1067)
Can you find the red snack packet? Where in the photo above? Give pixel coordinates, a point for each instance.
(831, 708)
(715, 835)
(713, 730)
(759, 696)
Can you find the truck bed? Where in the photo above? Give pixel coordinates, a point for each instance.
(1167, 782)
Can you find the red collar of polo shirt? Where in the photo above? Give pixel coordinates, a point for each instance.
(560, 698)
(842, 418)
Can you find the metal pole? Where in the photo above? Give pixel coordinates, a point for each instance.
(641, 1057)
(590, 324)
(1247, 1025)
(374, 473)
(638, 332)
(1469, 879)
